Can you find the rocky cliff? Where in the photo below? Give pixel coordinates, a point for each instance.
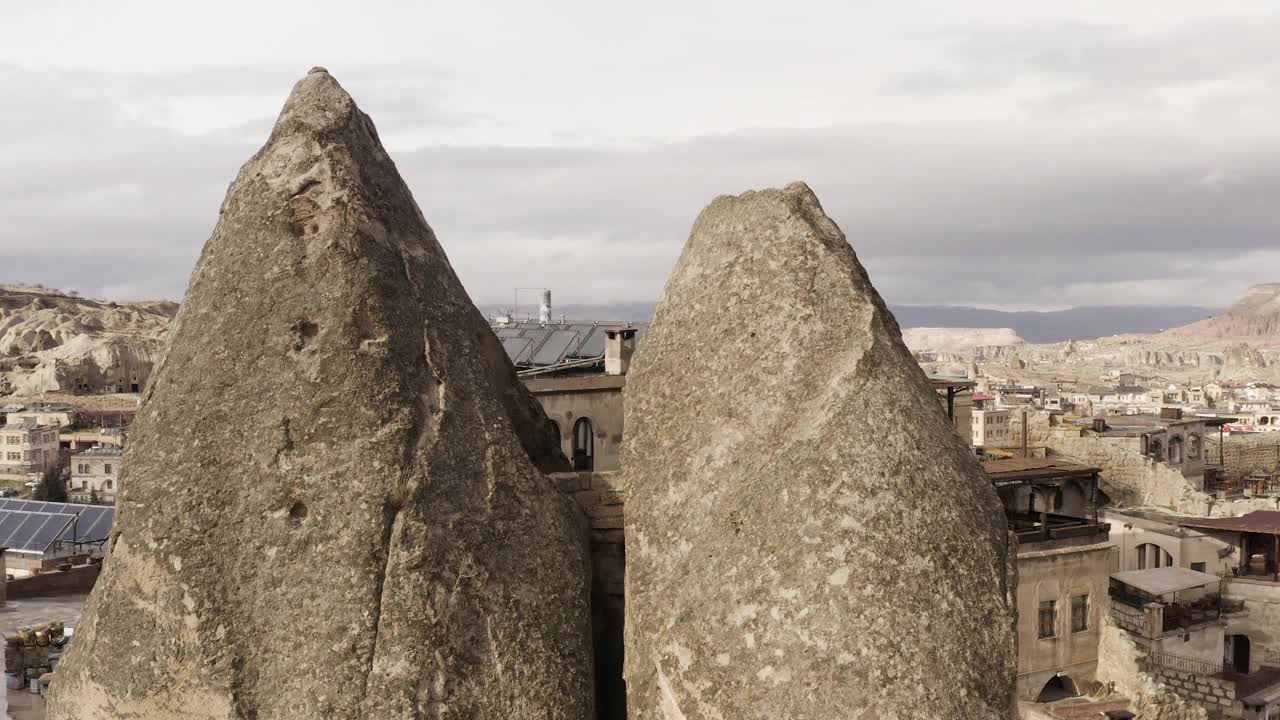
(51, 341)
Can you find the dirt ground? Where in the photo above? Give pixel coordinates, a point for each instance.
(27, 612)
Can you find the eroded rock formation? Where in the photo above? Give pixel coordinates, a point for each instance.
(332, 507)
(807, 537)
(54, 342)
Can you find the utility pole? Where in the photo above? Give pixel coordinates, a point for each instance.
(1024, 434)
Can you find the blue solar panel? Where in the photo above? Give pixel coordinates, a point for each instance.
(32, 526)
(31, 531)
(555, 347)
(516, 348)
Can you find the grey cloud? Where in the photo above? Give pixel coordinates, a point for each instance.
(938, 212)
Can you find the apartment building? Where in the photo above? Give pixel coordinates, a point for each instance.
(27, 448)
(95, 474)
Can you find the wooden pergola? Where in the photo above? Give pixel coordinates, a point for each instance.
(1045, 477)
(1258, 532)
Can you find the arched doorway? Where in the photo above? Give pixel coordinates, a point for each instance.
(1075, 498)
(555, 426)
(1235, 654)
(1151, 555)
(1059, 687)
(584, 446)
(1156, 450)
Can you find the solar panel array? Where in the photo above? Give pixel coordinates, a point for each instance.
(32, 526)
(531, 344)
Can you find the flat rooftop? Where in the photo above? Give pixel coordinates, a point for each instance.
(1010, 471)
(1165, 580)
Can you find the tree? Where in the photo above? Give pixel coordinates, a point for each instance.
(51, 487)
(94, 498)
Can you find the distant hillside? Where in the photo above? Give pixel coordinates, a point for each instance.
(1034, 327)
(1256, 315)
(957, 340)
(1058, 325)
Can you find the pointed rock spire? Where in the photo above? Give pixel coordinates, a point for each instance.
(806, 534)
(332, 507)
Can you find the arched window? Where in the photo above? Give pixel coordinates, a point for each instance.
(583, 445)
(1175, 450)
(1075, 498)
(1193, 447)
(1152, 556)
(1156, 450)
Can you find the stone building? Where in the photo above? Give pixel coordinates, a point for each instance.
(990, 428)
(577, 372)
(1063, 563)
(27, 449)
(59, 415)
(1169, 438)
(1185, 625)
(1202, 596)
(95, 473)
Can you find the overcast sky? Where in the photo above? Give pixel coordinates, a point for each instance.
(1015, 153)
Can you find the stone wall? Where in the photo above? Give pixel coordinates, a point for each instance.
(1122, 665)
(78, 579)
(1135, 480)
(1131, 619)
(1128, 476)
(1211, 692)
(1243, 454)
(601, 497)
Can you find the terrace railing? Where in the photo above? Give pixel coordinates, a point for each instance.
(1179, 663)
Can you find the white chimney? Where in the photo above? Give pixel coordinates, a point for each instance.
(619, 344)
(544, 310)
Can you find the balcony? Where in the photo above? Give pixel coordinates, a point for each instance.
(1038, 527)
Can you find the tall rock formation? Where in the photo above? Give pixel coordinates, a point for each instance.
(807, 537)
(328, 511)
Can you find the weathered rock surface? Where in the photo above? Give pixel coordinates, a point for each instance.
(807, 537)
(328, 511)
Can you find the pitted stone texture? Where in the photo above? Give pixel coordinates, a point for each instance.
(807, 538)
(328, 511)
